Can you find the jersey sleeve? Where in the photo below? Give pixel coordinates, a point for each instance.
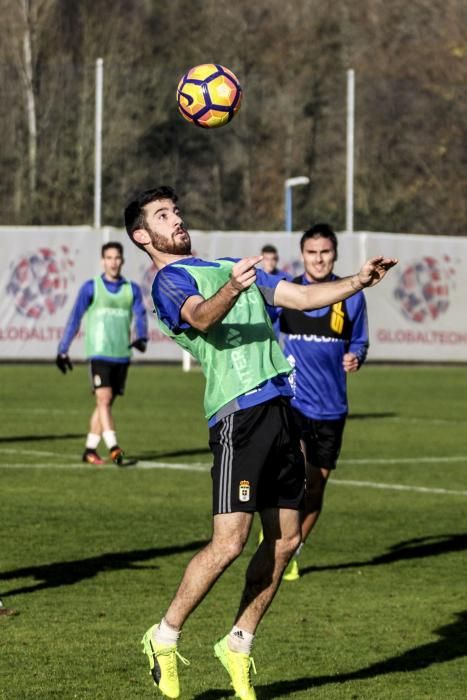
(267, 284)
(359, 341)
(81, 305)
(139, 313)
(172, 287)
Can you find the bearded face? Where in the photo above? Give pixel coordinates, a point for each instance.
(176, 243)
(164, 224)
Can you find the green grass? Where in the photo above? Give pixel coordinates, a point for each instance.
(91, 557)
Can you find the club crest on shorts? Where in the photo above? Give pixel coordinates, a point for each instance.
(97, 380)
(244, 491)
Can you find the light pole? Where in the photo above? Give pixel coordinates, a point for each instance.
(288, 184)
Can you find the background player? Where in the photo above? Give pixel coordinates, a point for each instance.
(216, 310)
(269, 263)
(109, 303)
(322, 346)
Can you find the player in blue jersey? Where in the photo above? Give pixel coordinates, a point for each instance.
(270, 263)
(322, 346)
(217, 311)
(109, 303)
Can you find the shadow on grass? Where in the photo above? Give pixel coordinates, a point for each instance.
(452, 645)
(67, 573)
(39, 438)
(173, 453)
(417, 548)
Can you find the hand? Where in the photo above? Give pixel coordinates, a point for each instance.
(140, 344)
(243, 273)
(374, 270)
(350, 362)
(63, 362)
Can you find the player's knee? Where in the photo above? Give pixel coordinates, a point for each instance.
(227, 550)
(104, 399)
(288, 544)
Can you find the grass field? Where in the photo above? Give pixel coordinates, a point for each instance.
(90, 557)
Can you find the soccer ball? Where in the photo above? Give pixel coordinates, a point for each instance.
(209, 95)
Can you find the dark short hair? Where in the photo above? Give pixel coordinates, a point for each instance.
(268, 248)
(320, 230)
(134, 211)
(112, 244)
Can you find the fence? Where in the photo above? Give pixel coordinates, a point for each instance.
(416, 314)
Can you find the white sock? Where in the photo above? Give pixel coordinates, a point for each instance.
(240, 640)
(299, 549)
(110, 438)
(92, 441)
(165, 634)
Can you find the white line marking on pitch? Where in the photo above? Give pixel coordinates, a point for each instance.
(203, 467)
(198, 466)
(404, 460)
(397, 487)
(37, 453)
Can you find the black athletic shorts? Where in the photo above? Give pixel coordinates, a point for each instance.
(109, 374)
(322, 438)
(258, 463)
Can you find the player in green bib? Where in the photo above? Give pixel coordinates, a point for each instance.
(217, 310)
(108, 304)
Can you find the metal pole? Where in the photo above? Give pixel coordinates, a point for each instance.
(288, 208)
(288, 184)
(350, 150)
(98, 144)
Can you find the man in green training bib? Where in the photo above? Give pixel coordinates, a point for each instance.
(109, 302)
(218, 312)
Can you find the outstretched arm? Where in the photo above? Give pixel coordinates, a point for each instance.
(81, 305)
(315, 296)
(203, 313)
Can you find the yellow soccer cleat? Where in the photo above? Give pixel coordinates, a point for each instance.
(239, 667)
(292, 572)
(163, 664)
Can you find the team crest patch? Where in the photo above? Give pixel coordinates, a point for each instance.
(244, 491)
(97, 380)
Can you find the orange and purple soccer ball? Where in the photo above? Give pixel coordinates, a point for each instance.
(209, 95)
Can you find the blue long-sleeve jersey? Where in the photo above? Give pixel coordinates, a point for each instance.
(315, 342)
(84, 301)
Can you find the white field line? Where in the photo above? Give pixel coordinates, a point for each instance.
(149, 464)
(204, 467)
(36, 453)
(47, 411)
(397, 487)
(17, 465)
(405, 460)
(197, 466)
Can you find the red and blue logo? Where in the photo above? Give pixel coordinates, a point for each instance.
(39, 281)
(424, 287)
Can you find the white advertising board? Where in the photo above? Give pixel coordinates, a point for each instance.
(416, 314)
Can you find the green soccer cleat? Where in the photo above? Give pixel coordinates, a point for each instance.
(238, 666)
(292, 572)
(163, 664)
